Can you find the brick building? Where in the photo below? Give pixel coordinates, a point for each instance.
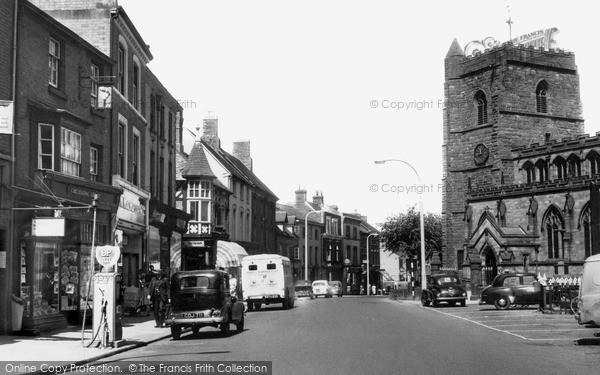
(518, 170)
(144, 117)
(58, 167)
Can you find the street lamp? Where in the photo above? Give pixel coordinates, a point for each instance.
(368, 269)
(306, 243)
(423, 274)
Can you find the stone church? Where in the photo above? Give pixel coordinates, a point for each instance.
(519, 173)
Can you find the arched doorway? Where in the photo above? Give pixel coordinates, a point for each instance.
(490, 268)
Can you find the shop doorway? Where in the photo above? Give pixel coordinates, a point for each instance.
(130, 269)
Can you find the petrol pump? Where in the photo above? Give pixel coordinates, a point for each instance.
(107, 322)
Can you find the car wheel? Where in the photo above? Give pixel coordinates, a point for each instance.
(250, 306)
(257, 306)
(175, 332)
(435, 303)
(463, 303)
(240, 325)
(502, 303)
(424, 300)
(312, 297)
(225, 329)
(195, 329)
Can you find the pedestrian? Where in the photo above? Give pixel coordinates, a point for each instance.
(144, 292)
(160, 295)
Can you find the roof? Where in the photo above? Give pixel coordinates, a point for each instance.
(238, 169)
(250, 258)
(197, 163)
(299, 212)
(455, 49)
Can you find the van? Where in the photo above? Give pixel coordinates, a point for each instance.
(588, 302)
(266, 279)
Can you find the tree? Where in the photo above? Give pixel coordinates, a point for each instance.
(401, 234)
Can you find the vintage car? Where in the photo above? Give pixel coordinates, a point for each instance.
(444, 287)
(202, 299)
(321, 288)
(511, 289)
(336, 288)
(304, 289)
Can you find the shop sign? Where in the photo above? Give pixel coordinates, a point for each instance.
(48, 227)
(6, 116)
(76, 190)
(108, 255)
(194, 243)
(131, 209)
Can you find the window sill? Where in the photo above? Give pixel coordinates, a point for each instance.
(97, 112)
(54, 91)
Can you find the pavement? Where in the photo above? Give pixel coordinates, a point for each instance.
(65, 346)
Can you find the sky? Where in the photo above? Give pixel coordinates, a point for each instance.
(322, 89)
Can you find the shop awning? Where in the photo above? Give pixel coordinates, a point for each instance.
(229, 254)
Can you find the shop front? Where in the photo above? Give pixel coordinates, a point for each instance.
(130, 233)
(167, 224)
(54, 249)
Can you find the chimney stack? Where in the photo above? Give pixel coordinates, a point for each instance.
(318, 199)
(241, 150)
(210, 132)
(300, 196)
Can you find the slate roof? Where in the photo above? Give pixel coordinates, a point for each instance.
(197, 163)
(299, 212)
(238, 169)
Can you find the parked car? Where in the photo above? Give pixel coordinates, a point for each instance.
(304, 289)
(321, 288)
(203, 298)
(336, 288)
(588, 301)
(511, 289)
(444, 287)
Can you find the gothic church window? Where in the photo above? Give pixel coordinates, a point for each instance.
(594, 160)
(541, 97)
(561, 167)
(481, 105)
(554, 226)
(542, 170)
(574, 166)
(530, 171)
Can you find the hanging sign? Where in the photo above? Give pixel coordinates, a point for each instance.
(108, 255)
(6, 116)
(48, 227)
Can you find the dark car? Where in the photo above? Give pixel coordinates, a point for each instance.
(445, 287)
(304, 289)
(201, 299)
(511, 289)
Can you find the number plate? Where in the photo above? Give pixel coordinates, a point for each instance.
(193, 315)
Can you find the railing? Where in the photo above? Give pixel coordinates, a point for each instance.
(558, 292)
(487, 275)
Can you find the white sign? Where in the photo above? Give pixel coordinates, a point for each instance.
(48, 227)
(6, 116)
(104, 96)
(108, 255)
(194, 243)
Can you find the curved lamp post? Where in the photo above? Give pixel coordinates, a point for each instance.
(423, 273)
(368, 268)
(306, 243)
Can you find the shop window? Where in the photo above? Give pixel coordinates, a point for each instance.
(45, 279)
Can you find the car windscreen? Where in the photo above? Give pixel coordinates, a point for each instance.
(528, 279)
(202, 281)
(319, 284)
(447, 280)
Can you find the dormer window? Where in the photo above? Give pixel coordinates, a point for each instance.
(541, 97)
(481, 106)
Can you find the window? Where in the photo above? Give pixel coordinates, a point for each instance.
(94, 74)
(354, 233)
(135, 89)
(296, 253)
(252, 267)
(170, 127)
(561, 168)
(541, 97)
(135, 159)
(194, 189)
(554, 226)
(481, 106)
(316, 234)
(594, 160)
(542, 170)
(121, 64)
(347, 231)
(54, 62)
(573, 166)
(46, 146)
(93, 163)
(121, 151)
(271, 266)
(152, 172)
(70, 153)
(530, 171)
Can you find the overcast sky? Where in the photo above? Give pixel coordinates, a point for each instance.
(300, 80)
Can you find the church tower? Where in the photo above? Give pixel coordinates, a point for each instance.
(495, 101)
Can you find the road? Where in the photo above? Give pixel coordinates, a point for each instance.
(375, 335)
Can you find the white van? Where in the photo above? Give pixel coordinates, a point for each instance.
(266, 279)
(588, 301)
